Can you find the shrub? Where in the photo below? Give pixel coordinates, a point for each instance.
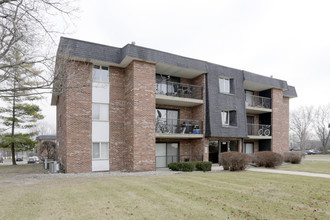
(188, 166)
(173, 166)
(293, 157)
(203, 166)
(267, 159)
(182, 166)
(234, 161)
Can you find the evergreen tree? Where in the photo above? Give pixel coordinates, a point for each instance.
(19, 116)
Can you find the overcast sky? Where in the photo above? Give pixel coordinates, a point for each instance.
(289, 40)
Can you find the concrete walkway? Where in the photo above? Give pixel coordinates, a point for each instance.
(267, 170)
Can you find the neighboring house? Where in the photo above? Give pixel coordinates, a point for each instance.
(138, 109)
(45, 148)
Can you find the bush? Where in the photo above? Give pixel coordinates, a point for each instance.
(203, 166)
(190, 166)
(182, 166)
(293, 157)
(267, 159)
(235, 161)
(174, 166)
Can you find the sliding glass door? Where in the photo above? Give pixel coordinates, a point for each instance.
(166, 153)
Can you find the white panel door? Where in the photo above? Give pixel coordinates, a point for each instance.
(160, 155)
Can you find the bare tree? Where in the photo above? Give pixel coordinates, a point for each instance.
(301, 125)
(321, 125)
(49, 147)
(44, 128)
(26, 29)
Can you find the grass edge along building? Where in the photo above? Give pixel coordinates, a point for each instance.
(138, 109)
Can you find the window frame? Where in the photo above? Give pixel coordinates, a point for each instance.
(99, 111)
(230, 117)
(102, 73)
(225, 85)
(101, 157)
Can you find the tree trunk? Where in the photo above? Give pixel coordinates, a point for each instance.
(13, 126)
(13, 154)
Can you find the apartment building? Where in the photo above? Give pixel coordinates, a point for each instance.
(138, 109)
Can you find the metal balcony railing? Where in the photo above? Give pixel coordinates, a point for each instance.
(257, 101)
(163, 161)
(179, 126)
(179, 90)
(259, 130)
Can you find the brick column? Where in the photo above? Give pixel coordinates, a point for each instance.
(280, 122)
(140, 116)
(77, 110)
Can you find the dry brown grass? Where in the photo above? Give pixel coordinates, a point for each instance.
(222, 195)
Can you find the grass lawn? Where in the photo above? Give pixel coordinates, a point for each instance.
(318, 156)
(222, 195)
(309, 166)
(14, 170)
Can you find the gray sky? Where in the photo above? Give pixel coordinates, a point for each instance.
(287, 39)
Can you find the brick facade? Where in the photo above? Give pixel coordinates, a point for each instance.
(139, 128)
(280, 121)
(74, 112)
(132, 83)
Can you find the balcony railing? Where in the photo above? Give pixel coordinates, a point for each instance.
(163, 161)
(179, 126)
(259, 130)
(179, 90)
(257, 101)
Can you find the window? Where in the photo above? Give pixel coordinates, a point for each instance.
(166, 85)
(226, 85)
(225, 118)
(100, 73)
(167, 121)
(100, 151)
(228, 118)
(100, 112)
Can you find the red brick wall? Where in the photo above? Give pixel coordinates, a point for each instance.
(140, 115)
(117, 105)
(74, 111)
(280, 122)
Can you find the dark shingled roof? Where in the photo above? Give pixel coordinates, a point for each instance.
(93, 51)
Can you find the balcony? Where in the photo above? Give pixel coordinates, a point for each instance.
(178, 94)
(257, 104)
(179, 128)
(259, 131)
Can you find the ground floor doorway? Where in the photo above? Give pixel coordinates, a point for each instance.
(166, 153)
(216, 147)
(214, 151)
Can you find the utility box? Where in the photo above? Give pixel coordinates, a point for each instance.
(53, 167)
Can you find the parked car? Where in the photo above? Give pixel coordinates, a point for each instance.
(36, 159)
(19, 159)
(309, 152)
(32, 160)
